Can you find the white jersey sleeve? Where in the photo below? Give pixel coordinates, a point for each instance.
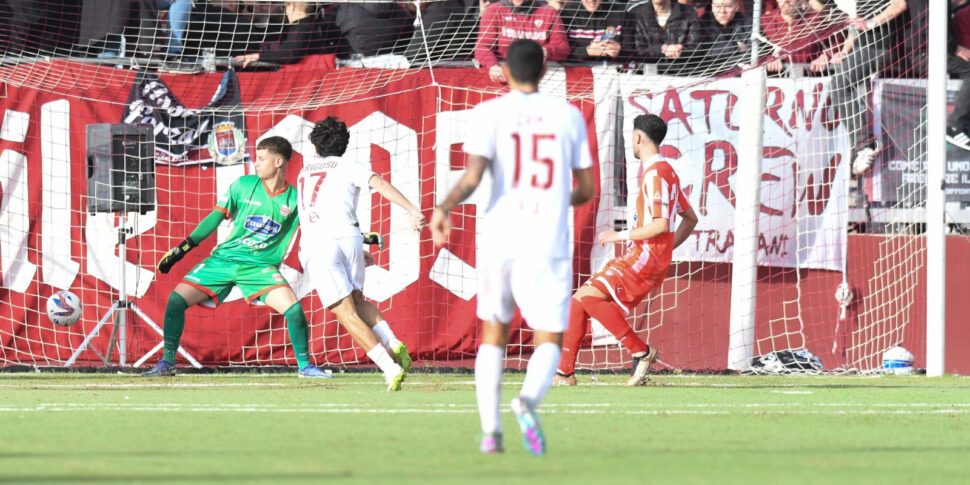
(359, 175)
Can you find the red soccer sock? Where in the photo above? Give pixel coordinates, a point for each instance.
(613, 319)
(573, 338)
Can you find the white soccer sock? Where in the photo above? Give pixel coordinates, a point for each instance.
(383, 360)
(488, 386)
(385, 334)
(538, 374)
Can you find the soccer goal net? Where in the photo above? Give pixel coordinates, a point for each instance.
(124, 121)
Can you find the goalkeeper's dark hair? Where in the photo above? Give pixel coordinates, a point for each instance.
(330, 137)
(278, 145)
(525, 60)
(652, 126)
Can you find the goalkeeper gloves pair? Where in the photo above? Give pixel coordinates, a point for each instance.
(175, 254)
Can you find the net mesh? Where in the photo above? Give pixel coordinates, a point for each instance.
(404, 77)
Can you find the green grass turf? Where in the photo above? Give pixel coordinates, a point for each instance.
(90, 428)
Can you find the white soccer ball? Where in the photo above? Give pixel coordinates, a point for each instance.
(63, 308)
(897, 360)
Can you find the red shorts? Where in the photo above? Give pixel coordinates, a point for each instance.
(627, 286)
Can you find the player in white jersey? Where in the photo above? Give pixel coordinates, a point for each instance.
(532, 145)
(331, 245)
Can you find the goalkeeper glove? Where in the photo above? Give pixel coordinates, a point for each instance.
(175, 254)
(373, 238)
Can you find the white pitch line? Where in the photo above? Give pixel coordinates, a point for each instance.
(565, 406)
(347, 380)
(591, 409)
(295, 383)
(147, 385)
(658, 412)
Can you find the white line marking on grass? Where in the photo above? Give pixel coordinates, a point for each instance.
(792, 392)
(758, 409)
(657, 412)
(146, 385)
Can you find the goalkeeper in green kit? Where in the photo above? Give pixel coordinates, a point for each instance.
(263, 210)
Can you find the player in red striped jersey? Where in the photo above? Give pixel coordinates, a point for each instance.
(611, 294)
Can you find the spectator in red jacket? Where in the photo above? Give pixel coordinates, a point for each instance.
(505, 21)
(790, 29)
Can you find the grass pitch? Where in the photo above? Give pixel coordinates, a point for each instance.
(90, 428)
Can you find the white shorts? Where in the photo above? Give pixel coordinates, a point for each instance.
(540, 286)
(335, 267)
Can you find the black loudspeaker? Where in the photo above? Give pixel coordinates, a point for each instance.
(121, 168)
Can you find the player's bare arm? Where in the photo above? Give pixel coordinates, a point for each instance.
(418, 220)
(686, 226)
(440, 223)
(654, 228)
(584, 186)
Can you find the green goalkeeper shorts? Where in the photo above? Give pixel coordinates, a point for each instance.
(216, 277)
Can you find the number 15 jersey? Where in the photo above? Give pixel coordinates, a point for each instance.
(534, 142)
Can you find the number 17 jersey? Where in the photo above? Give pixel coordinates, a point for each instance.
(329, 191)
(534, 142)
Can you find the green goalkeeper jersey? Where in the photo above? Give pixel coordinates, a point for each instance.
(262, 223)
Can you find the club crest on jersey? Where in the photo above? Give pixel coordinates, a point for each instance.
(538, 23)
(263, 225)
(277, 277)
(284, 211)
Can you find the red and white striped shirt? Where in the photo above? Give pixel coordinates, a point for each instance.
(660, 196)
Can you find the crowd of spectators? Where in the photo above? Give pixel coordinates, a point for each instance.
(688, 37)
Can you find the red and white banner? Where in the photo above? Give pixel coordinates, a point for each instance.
(48, 241)
(805, 174)
(411, 132)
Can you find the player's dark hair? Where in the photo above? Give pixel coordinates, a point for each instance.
(525, 60)
(652, 126)
(330, 137)
(278, 145)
